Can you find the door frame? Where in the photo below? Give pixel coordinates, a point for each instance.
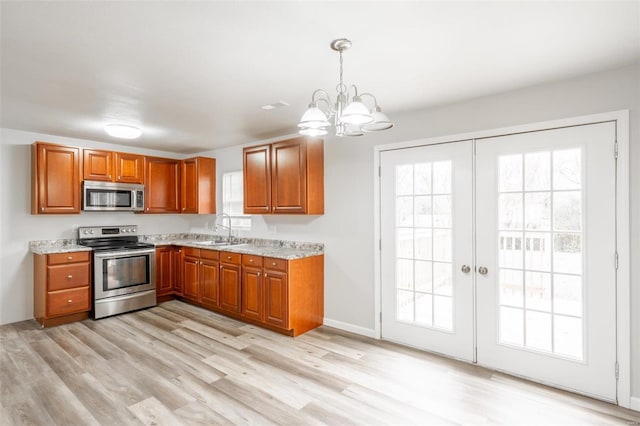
(622, 214)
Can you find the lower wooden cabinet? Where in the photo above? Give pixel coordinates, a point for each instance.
(230, 292)
(62, 287)
(283, 295)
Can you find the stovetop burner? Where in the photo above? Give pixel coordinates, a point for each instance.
(101, 238)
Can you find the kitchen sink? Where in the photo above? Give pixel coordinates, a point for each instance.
(215, 243)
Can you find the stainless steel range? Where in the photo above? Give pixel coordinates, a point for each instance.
(123, 269)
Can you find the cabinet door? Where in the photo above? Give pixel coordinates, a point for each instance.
(97, 165)
(230, 287)
(129, 167)
(276, 300)
(189, 186)
(164, 282)
(257, 179)
(209, 282)
(162, 189)
(289, 176)
(252, 299)
(176, 270)
(191, 278)
(56, 179)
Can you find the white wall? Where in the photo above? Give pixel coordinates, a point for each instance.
(18, 226)
(346, 228)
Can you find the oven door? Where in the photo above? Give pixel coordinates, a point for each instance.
(123, 272)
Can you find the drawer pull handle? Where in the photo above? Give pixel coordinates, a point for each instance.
(70, 301)
(69, 276)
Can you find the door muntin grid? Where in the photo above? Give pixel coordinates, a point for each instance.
(424, 244)
(540, 252)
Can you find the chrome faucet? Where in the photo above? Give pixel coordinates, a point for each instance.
(223, 215)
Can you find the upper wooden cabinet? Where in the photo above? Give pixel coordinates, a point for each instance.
(113, 166)
(284, 177)
(162, 185)
(198, 188)
(129, 167)
(55, 179)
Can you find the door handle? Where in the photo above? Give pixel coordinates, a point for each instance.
(483, 270)
(466, 269)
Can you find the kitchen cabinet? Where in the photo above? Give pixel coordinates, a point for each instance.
(176, 263)
(62, 290)
(276, 285)
(168, 272)
(198, 185)
(164, 275)
(285, 177)
(162, 185)
(55, 179)
(97, 165)
(200, 276)
(252, 287)
(129, 167)
(112, 166)
(230, 278)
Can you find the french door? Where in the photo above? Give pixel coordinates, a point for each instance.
(506, 245)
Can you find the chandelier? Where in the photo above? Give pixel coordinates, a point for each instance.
(350, 118)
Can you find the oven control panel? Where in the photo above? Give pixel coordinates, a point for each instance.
(85, 232)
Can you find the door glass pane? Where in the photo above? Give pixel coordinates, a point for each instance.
(540, 283)
(424, 244)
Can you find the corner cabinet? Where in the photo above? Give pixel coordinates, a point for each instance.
(285, 177)
(62, 283)
(198, 185)
(55, 179)
(162, 185)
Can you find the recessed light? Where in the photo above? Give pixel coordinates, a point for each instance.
(274, 105)
(122, 131)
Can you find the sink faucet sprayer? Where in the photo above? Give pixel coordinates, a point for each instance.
(215, 223)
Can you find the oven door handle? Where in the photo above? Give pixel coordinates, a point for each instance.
(114, 255)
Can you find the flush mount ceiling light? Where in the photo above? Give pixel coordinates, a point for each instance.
(122, 131)
(350, 117)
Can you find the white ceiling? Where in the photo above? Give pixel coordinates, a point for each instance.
(193, 75)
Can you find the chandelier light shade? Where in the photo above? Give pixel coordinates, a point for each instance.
(350, 115)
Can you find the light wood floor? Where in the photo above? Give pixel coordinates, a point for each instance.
(177, 364)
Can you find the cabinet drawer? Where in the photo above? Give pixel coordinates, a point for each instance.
(228, 257)
(68, 301)
(64, 258)
(275, 263)
(209, 254)
(191, 251)
(68, 276)
(251, 260)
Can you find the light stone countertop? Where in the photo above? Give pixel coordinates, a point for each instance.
(279, 249)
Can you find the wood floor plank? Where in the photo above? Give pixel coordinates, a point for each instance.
(179, 364)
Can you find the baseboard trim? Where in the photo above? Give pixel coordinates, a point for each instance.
(635, 403)
(369, 332)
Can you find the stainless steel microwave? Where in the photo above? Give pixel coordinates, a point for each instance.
(108, 196)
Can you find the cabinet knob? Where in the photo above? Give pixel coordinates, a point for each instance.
(273, 263)
(258, 273)
(118, 177)
(229, 257)
(69, 257)
(41, 209)
(69, 276)
(250, 260)
(265, 274)
(70, 301)
(179, 251)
